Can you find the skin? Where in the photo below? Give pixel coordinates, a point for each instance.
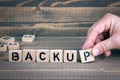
(104, 35)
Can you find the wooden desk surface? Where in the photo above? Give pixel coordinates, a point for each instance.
(102, 69)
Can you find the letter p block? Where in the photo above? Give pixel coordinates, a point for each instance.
(86, 56)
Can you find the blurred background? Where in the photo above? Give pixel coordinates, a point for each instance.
(53, 17)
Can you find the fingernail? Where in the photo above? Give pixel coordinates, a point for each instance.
(95, 52)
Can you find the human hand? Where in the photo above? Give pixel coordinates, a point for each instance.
(104, 35)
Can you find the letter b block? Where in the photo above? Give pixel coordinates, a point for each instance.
(29, 55)
(15, 55)
(70, 55)
(86, 56)
(56, 55)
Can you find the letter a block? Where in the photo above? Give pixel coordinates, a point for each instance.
(13, 45)
(28, 38)
(86, 56)
(42, 55)
(7, 39)
(56, 55)
(70, 55)
(15, 55)
(3, 47)
(29, 55)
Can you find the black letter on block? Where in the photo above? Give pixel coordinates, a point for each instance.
(56, 56)
(28, 56)
(15, 56)
(40, 56)
(68, 57)
(86, 54)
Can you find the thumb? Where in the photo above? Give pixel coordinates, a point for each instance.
(102, 46)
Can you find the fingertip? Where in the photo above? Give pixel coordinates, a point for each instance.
(84, 47)
(95, 52)
(107, 53)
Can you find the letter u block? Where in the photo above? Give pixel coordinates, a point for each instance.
(42, 55)
(86, 56)
(70, 55)
(29, 55)
(15, 55)
(56, 55)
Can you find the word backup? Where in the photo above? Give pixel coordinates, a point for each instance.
(46, 55)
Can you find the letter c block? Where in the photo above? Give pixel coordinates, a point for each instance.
(42, 55)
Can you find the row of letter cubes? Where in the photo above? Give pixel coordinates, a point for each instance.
(31, 55)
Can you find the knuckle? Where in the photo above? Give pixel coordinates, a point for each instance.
(108, 14)
(103, 47)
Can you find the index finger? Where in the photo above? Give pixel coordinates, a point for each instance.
(97, 29)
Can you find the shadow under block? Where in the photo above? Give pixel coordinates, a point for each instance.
(29, 55)
(70, 55)
(15, 55)
(56, 55)
(42, 55)
(3, 47)
(7, 39)
(86, 56)
(28, 38)
(13, 45)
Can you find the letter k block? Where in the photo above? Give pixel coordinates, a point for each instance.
(56, 55)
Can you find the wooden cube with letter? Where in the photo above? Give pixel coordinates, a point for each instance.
(13, 45)
(15, 55)
(86, 56)
(56, 55)
(42, 55)
(70, 55)
(29, 55)
(7, 39)
(28, 38)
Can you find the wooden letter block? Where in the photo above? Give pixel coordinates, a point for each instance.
(56, 55)
(42, 55)
(28, 38)
(7, 39)
(86, 56)
(3, 47)
(13, 45)
(29, 55)
(15, 55)
(70, 55)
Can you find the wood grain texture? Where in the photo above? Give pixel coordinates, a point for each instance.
(51, 21)
(60, 3)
